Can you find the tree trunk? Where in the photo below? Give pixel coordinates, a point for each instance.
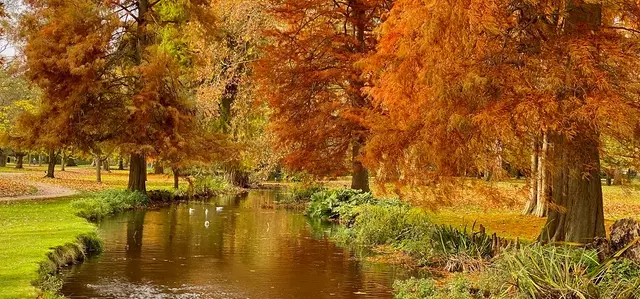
(51, 165)
(63, 161)
(543, 179)
(121, 164)
(533, 180)
(138, 173)
(98, 163)
(158, 169)
(576, 208)
(39, 159)
(176, 181)
(19, 161)
(106, 166)
(360, 175)
(3, 159)
(617, 176)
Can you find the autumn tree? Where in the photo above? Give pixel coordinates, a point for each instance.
(227, 99)
(150, 77)
(66, 48)
(314, 85)
(453, 78)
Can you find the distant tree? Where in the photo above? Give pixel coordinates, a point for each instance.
(314, 86)
(227, 99)
(453, 77)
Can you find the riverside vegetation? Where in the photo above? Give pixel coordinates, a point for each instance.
(65, 234)
(482, 268)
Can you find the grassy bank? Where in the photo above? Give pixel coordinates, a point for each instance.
(468, 263)
(30, 233)
(498, 205)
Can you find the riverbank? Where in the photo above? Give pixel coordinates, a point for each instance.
(473, 263)
(38, 235)
(28, 232)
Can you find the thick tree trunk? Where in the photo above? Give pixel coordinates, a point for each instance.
(98, 163)
(576, 210)
(121, 164)
(40, 159)
(19, 161)
(51, 165)
(63, 161)
(539, 187)
(176, 179)
(359, 175)
(138, 173)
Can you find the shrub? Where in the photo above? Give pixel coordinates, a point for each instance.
(563, 272)
(207, 185)
(459, 250)
(388, 224)
(330, 204)
(108, 203)
(303, 193)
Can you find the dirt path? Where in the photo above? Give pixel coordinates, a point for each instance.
(45, 191)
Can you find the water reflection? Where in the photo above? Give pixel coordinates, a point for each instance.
(244, 252)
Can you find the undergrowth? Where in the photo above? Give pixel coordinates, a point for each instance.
(533, 271)
(109, 202)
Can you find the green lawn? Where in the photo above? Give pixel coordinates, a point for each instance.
(28, 230)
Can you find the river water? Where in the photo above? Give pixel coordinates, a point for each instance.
(243, 251)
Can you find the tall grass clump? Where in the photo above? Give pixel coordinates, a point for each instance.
(330, 204)
(108, 203)
(208, 185)
(301, 193)
(458, 250)
(388, 224)
(563, 272)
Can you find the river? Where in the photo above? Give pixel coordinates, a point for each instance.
(242, 251)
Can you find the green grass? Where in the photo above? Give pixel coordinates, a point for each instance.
(28, 233)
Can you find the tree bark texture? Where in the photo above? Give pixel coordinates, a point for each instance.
(138, 173)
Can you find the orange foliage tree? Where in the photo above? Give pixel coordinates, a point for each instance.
(311, 80)
(66, 54)
(460, 82)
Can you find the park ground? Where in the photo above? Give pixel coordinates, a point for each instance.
(30, 228)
